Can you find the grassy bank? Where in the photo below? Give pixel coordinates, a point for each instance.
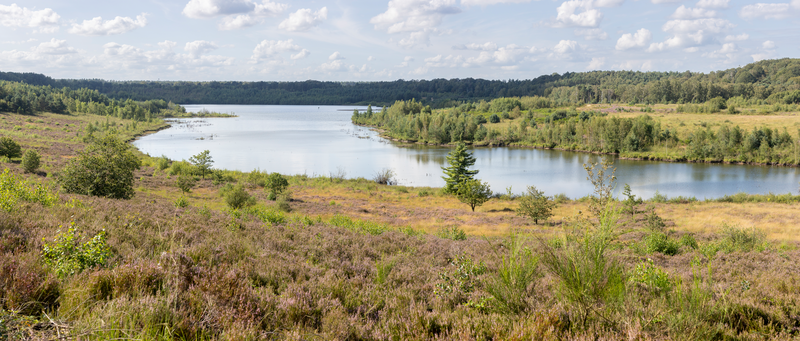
(351, 259)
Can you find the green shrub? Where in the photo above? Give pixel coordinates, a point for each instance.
(688, 241)
(181, 202)
(9, 148)
(535, 205)
(452, 232)
(516, 274)
(276, 183)
(185, 183)
(461, 279)
(652, 278)
(66, 255)
(283, 202)
(267, 215)
(30, 161)
(181, 168)
(162, 163)
(237, 197)
(13, 189)
(660, 242)
(105, 169)
(739, 239)
(202, 162)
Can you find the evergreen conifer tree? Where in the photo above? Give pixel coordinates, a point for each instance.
(459, 160)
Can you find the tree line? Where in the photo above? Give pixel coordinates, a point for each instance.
(767, 80)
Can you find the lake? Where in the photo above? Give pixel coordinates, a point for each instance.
(320, 140)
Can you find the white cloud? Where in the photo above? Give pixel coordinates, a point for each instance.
(665, 1)
(406, 60)
(54, 47)
(596, 63)
(769, 44)
(796, 4)
(741, 37)
(304, 20)
(565, 46)
(567, 50)
(488, 46)
(765, 11)
(713, 3)
(630, 40)
(370, 58)
(335, 56)
(634, 65)
(419, 18)
(118, 25)
(300, 55)
(587, 16)
(45, 20)
(414, 15)
(688, 33)
(728, 51)
(592, 33)
(236, 13)
(491, 2)
(199, 47)
(333, 66)
(271, 50)
(509, 55)
(439, 61)
(684, 12)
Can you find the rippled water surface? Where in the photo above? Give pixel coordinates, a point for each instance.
(319, 140)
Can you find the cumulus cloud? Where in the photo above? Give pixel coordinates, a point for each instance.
(741, 37)
(440, 61)
(272, 49)
(769, 44)
(596, 63)
(566, 50)
(713, 3)
(419, 18)
(98, 27)
(491, 2)
(592, 33)
(727, 51)
(303, 20)
(487, 46)
(767, 52)
(634, 65)
(689, 33)
(45, 20)
(630, 40)
(578, 13)
(54, 47)
(664, 1)
(333, 66)
(684, 12)
(199, 47)
(235, 13)
(766, 11)
(509, 55)
(406, 60)
(300, 55)
(335, 56)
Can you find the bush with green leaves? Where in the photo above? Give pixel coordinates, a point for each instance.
(30, 161)
(535, 205)
(514, 277)
(181, 202)
(104, 169)
(452, 233)
(494, 118)
(461, 279)
(649, 277)
(9, 148)
(631, 201)
(162, 162)
(283, 201)
(14, 189)
(276, 184)
(203, 162)
(237, 197)
(473, 192)
(185, 183)
(66, 255)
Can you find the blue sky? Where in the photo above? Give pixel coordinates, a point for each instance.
(253, 40)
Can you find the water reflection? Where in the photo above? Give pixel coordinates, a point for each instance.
(320, 140)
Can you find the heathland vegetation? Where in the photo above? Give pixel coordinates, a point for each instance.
(153, 248)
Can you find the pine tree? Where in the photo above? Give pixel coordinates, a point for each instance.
(459, 160)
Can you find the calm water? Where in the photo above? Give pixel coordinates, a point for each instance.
(319, 140)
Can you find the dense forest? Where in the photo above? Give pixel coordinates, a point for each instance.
(26, 99)
(755, 81)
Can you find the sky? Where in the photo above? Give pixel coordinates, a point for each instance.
(265, 40)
